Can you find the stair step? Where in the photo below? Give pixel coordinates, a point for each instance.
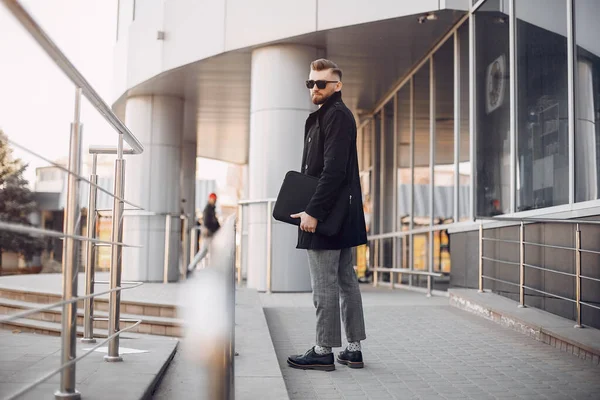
(100, 303)
(54, 328)
(153, 325)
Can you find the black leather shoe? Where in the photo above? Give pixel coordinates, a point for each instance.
(312, 360)
(353, 359)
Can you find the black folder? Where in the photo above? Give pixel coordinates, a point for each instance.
(295, 194)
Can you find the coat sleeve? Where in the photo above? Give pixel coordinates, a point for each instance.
(336, 150)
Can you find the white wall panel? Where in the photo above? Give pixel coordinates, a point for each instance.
(337, 13)
(195, 29)
(259, 21)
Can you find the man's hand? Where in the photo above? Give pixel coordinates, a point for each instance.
(307, 223)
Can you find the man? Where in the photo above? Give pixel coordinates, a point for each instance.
(210, 226)
(330, 154)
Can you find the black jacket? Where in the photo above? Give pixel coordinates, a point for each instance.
(330, 154)
(209, 219)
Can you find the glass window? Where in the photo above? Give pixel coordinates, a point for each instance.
(587, 96)
(404, 174)
(443, 178)
(464, 166)
(492, 109)
(387, 162)
(376, 174)
(542, 104)
(421, 168)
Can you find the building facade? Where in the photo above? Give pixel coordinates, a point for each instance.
(471, 113)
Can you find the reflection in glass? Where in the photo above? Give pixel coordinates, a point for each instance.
(421, 169)
(492, 110)
(464, 166)
(444, 172)
(587, 97)
(542, 115)
(404, 175)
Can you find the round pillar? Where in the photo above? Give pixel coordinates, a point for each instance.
(152, 181)
(280, 104)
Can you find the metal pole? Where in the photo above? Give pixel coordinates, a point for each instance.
(70, 246)
(114, 314)
(193, 244)
(376, 266)
(90, 249)
(521, 265)
(480, 258)
(240, 230)
(269, 245)
(432, 161)
(457, 127)
(185, 242)
(578, 275)
(512, 45)
(167, 248)
(571, 79)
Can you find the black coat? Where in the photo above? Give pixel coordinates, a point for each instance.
(209, 219)
(330, 154)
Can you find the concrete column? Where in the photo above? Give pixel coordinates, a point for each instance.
(152, 181)
(188, 160)
(280, 104)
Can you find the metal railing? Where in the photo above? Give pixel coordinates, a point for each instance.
(375, 239)
(212, 328)
(270, 202)
(522, 265)
(408, 256)
(67, 369)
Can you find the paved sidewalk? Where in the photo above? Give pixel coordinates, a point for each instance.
(419, 348)
(25, 357)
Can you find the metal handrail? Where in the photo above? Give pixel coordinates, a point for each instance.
(71, 219)
(269, 250)
(23, 314)
(18, 228)
(522, 264)
(61, 61)
(69, 172)
(571, 221)
(72, 362)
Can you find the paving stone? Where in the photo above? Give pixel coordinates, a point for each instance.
(435, 351)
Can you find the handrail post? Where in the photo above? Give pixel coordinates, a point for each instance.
(116, 259)
(184, 244)
(578, 275)
(480, 258)
(521, 265)
(167, 248)
(90, 260)
(240, 232)
(269, 245)
(376, 266)
(193, 244)
(69, 314)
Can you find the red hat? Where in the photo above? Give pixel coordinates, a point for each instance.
(212, 196)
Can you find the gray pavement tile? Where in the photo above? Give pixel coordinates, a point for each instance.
(437, 351)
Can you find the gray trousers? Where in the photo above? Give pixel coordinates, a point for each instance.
(333, 279)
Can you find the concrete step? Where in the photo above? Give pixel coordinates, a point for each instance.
(154, 325)
(100, 303)
(53, 328)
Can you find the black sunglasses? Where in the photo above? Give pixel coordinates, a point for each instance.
(320, 84)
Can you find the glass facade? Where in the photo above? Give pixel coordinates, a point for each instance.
(542, 104)
(587, 100)
(483, 128)
(492, 112)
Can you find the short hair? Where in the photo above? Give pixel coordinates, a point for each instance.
(323, 64)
